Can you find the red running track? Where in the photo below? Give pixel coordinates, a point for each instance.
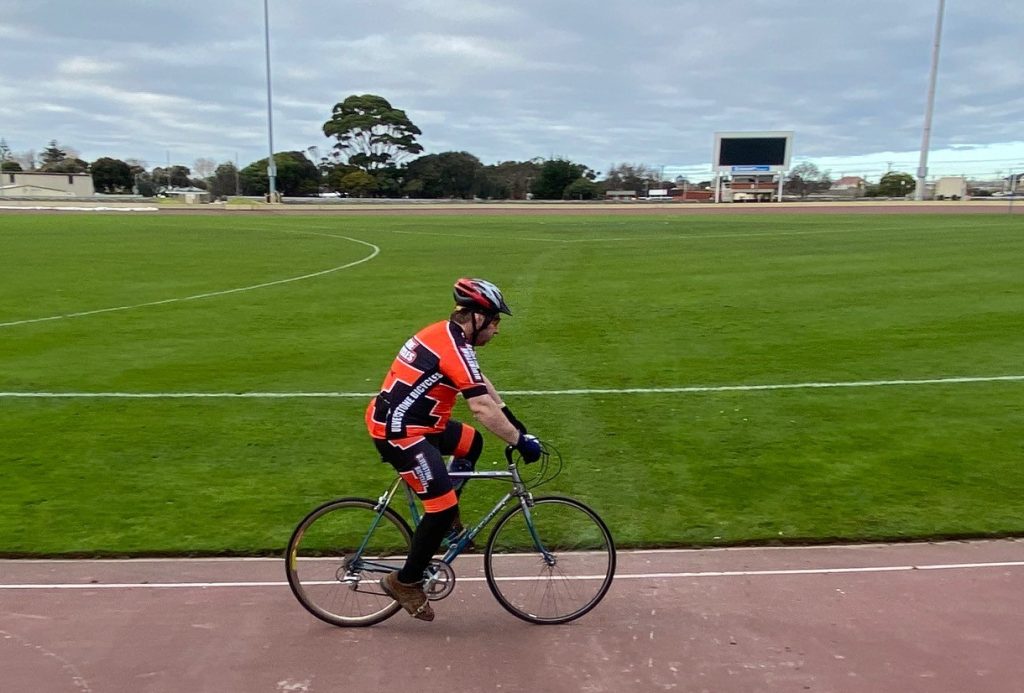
(943, 618)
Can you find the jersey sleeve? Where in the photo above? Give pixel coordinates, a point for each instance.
(461, 367)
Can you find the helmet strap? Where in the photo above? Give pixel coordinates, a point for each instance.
(488, 319)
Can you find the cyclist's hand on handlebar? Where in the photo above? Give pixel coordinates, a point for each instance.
(529, 447)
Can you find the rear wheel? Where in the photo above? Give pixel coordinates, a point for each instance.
(338, 553)
(551, 565)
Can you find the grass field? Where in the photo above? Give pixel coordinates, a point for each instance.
(166, 304)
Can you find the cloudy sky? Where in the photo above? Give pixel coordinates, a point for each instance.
(600, 82)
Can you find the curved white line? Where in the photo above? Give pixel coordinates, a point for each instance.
(376, 251)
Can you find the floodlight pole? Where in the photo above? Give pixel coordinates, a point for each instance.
(922, 169)
(271, 166)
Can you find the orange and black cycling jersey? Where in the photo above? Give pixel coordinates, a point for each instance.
(420, 389)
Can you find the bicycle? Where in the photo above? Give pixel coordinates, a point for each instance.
(548, 560)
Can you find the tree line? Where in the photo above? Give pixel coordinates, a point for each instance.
(375, 154)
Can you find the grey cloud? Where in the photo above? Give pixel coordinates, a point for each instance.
(508, 80)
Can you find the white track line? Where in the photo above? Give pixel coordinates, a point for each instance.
(867, 546)
(597, 391)
(376, 251)
(629, 576)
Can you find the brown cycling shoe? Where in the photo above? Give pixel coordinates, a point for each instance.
(412, 597)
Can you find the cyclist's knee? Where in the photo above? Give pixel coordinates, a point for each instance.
(462, 464)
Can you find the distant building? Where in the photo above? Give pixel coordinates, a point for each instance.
(190, 195)
(692, 194)
(38, 184)
(850, 183)
(950, 188)
(750, 188)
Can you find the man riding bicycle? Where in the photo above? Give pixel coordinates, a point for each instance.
(411, 425)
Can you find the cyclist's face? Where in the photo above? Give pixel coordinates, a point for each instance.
(485, 335)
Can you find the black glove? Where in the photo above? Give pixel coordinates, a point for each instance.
(513, 420)
(529, 447)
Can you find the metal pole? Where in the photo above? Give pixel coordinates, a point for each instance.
(3, 158)
(922, 169)
(271, 166)
(1013, 192)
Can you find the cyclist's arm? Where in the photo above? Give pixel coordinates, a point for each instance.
(488, 412)
(492, 391)
(501, 404)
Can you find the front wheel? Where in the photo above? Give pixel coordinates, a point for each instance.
(550, 563)
(338, 553)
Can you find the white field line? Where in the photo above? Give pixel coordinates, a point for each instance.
(592, 391)
(634, 239)
(376, 251)
(81, 209)
(629, 576)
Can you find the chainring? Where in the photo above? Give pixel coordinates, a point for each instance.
(439, 580)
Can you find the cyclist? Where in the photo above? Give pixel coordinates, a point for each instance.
(410, 424)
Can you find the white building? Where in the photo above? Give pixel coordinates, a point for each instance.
(38, 184)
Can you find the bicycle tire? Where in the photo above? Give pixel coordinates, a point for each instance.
(324, 572)
(574, 580)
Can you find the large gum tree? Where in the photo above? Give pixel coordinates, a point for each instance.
(371, 133)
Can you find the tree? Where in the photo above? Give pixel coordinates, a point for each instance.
(12, 166)
(448, 174)
(896, 184)
(204, 167)
(555, 176)
(56, 159)
(224, 181)
(174, 177)
(358, 183)
(112, 175)
(635, 177)
(510, 179)
(296, 176)
(52, 155)
(144, 183)
(805, 178)
(372, 133)
(67, 165)
(582, 189)
(390, 180)
(333, 173)
(27, 159)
